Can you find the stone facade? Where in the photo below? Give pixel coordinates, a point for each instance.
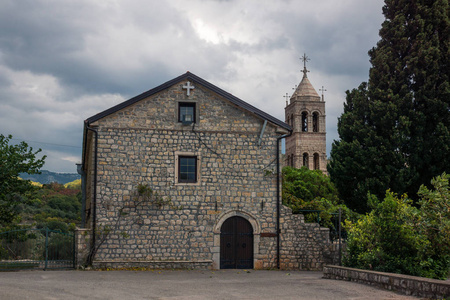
(177, 224)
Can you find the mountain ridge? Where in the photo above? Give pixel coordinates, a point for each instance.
(47, 177)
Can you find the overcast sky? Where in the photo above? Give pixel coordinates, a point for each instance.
(62, 61)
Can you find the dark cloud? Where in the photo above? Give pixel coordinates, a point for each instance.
(64, 61)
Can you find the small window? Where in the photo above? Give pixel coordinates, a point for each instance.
(187, 169)
(186, 112)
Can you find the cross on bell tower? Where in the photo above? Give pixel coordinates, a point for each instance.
(305, 59)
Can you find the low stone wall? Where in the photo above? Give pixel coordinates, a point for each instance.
(409, 285)
(155, 264)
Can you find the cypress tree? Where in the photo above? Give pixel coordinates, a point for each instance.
(395, 130)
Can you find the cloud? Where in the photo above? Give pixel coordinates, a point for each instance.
(64, 61)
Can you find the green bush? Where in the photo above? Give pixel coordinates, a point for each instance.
(311, 190)
(401, 238)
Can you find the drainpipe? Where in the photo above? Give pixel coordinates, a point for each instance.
(278, 195)
(81, 172)
(94, 199)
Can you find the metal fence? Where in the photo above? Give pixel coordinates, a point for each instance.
(36, 249)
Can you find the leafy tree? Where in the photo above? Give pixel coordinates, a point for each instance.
(15, 159)
(76, 184)
(386, 238)
(305, 189)
(435, 224)
(398, 237)
(54, 201)
(395, 130)
(308, 185)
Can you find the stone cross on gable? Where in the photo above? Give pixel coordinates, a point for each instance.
(188, 87)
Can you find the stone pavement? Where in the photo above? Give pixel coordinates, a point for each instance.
(180, 284)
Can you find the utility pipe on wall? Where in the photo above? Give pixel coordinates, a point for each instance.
(278, 195)
(94, 198)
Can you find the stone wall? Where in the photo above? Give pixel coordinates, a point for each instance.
(154, 264)
(82, 246)
(331, 253)
(304, 245)
(408, 285)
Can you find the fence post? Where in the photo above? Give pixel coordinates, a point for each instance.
(74, 249)
(46, 248)
(340, 253)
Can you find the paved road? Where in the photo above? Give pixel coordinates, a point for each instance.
(223, 284)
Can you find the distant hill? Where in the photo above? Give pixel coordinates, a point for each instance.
(48, 177)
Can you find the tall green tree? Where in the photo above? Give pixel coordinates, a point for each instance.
(15, 159)
(395, 130)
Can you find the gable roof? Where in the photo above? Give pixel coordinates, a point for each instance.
(195, 79)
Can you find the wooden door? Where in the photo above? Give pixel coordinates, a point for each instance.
(236, 244)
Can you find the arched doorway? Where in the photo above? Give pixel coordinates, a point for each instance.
(236, 244)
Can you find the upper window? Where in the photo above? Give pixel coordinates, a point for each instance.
(186, 112)
(187, 169)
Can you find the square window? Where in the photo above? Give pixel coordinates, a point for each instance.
(186, 112)
(187, 169)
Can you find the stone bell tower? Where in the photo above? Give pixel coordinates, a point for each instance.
(305, 112)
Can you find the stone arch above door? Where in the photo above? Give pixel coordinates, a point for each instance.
(224, 216)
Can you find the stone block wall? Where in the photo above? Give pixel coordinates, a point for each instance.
(82, 246)
(408, 285)
(140, 145)
(304, 245)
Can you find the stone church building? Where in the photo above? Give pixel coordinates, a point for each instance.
(185, 176)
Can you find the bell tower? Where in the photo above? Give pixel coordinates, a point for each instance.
(305, 112)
